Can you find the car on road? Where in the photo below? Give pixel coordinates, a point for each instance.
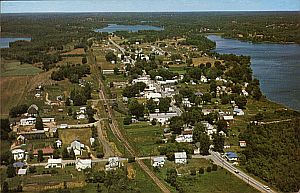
(236, 171)
(266, 187)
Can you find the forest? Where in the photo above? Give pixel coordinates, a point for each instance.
(272, 153)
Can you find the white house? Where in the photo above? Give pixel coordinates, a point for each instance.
(242, 143)
(228, 118)
(238, 112)
(82, 110)
(63, 126)
(186, 103)
(184, 139)
(153, 95)
(180, 157)
(162, 117)
(92, 141)
(158, 161)
(18, 154)
(54, 163)
(22, 171)
(81, 116)
(113, 163)
(82, 164)
(58, 143)
(77, 147)
(27, 121)
(48, 120)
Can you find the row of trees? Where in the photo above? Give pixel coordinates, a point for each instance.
(72, 72)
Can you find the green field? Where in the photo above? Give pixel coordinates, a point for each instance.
(17, 69)
(143, 137)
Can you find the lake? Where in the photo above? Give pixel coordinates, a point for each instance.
(277, 66)
(131, 28)
(4, 42)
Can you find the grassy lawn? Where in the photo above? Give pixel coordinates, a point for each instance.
(68, 135)
(179, 70)
(15, 68)
(218, 181)
(143, 181)
(143, 137)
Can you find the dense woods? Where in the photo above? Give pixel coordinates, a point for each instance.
(272, 153)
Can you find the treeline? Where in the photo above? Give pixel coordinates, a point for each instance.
(72, 72)
(200, 41)
(272, 153)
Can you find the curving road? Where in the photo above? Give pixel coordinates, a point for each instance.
(216, 157)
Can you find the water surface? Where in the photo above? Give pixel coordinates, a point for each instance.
(277, 66)
(131, 28)
(4, 42)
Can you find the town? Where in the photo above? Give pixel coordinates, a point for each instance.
(118, 109)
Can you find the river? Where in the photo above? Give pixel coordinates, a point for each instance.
(277, 66)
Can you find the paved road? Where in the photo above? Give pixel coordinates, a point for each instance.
(216, 157)
(119, 47)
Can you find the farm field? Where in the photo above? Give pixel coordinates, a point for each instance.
(15, 68)
(68, 135)
(144, 137)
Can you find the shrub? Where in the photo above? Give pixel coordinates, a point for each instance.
(208, 169)
(131, 159)
(193, 172)
(201, 171)
(214, 167)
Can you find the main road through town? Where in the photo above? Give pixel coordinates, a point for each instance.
(219, 160)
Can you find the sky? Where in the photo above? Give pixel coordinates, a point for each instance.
(32, 6)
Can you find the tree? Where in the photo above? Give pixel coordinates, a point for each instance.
(70, 111)
(18, 110)
(56, 154)
(84, 60)
(213, 86)
(116, 70)
(201, 171)
(39, 123)
(199, 135)
(90, 112)
(240, 101)
(5, 188)
(214, 167)
(135, 108)
(208, 169)
(176, 124)
(178, 99)
(4, 129)
(72, 154)
(32, 169)
(218, 142)
(151, 105)
(171, 176)
(40, 157)
(65, 153)
(10, 171)
(164, 104)
(153, 122)
(127, 120)
(193, 172)
(206, 97)
(110, 56)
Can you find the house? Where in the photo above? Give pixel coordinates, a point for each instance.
(186, 103)
(82, 110)
(243, 143)
(63, 126)
(153, 95)
(18, 154)
(18, 164)
(82, 164)
(33, 110)
(27, 121)
(92, 141)
(81, 116)
(158, 161)
(113, 163)
(47, 151)
(180, 157)
(162, 117)
(58, 143)
(197, 151)
(77, 147)
(22, 172)
(228, 118)
(54, 163)
(48, 120)
(231, 156)
(184, 138)
(20, 139)
(238, 112)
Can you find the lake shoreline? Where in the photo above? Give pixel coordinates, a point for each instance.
(278, 84)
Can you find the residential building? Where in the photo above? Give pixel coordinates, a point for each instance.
(231, 156)
(113, 163)
(180, 157)
(238, 112)
(184, 139)
(22, 172)
(242, 143)
(158, 161)
(58, 143)
(162, 118)
(77, 147)
(54, 163)
(18, 154)
(82, 164)
(28, 121)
